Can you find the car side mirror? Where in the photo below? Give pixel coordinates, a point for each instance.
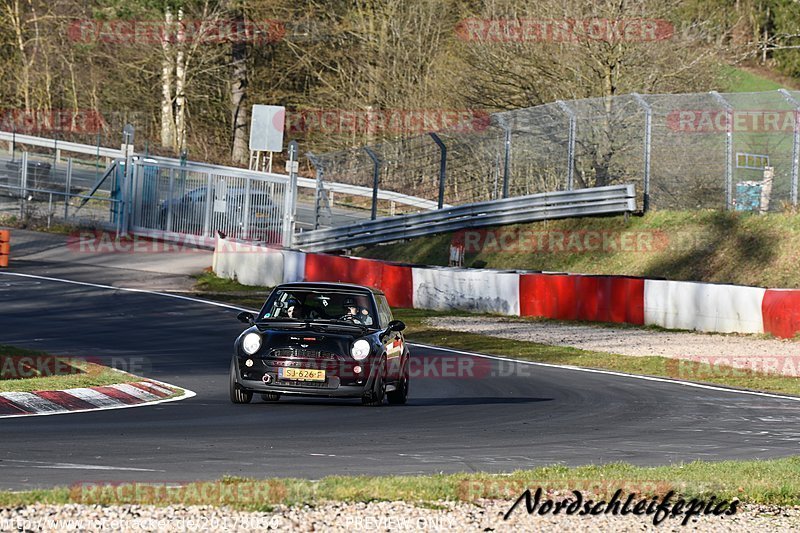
(246, 317)
(396, 325)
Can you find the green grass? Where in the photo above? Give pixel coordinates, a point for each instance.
(209, 285)
(210, 282)
(712, 246)
(38, 223)
(746, 81)
(418, 331)
(774, 481)
(76, 373)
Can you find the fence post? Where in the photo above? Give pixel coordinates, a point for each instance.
(23, 183)
(127, 187)
(209, 210)
(68, 191)
(291, 198)
(248, 190)
(796, 145)
(728, 148)
(503, 123)
(442, 166)
(571, 143)
(170, 200)
(319, 191)
(376, 174)
(648, 130)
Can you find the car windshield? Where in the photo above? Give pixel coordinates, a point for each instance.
(318, 304)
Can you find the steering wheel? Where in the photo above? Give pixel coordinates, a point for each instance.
(349, 316)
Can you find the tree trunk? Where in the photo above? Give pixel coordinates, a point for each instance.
(167, 120)
(180, 86)
(239, 150)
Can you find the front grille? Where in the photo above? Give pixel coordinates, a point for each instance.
(300, 353)
(330, 383)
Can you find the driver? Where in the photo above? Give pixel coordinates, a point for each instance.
(354, 313)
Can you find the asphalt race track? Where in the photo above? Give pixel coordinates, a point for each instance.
(505, 417)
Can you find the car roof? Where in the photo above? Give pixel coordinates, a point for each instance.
(329, 286)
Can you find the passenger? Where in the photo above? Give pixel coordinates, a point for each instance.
(354, 313)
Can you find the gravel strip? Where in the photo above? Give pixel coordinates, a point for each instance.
(783, 356)
(483, 515)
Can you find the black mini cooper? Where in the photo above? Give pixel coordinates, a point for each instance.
(321, 339)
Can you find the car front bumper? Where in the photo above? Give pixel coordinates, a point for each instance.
(252, 379)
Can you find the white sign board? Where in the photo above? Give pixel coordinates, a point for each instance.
(266, 128)
(220, 196)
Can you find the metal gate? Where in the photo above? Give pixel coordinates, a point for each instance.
(168, 197)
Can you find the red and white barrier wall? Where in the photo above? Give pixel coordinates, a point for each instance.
(669, 304)
(703, 306)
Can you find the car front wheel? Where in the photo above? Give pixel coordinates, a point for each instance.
(237, 394)
(375, 397)
(400, 394)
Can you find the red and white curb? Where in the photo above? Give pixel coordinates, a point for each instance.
(118, 396)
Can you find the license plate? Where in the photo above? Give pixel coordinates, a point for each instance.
(301, 374)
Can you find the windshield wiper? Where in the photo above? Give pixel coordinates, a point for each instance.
(337, 322)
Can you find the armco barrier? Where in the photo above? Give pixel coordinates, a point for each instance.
(576, 297)
(781, 311)
(471, 290)
(670, 304)
(703, 306)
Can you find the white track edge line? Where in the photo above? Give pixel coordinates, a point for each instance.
(125, 289)
(619, 374)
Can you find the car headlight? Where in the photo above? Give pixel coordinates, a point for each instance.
(251, 343)
(360, 350)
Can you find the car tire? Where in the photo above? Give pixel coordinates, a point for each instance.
(399, 396)
(238, 395)
(375, 397)
(271, 396)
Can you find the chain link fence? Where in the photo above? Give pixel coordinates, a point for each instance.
(38, 188)
(683, 151)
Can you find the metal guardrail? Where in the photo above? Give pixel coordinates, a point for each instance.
(64, 146)
(613, 199)
(309, 183)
